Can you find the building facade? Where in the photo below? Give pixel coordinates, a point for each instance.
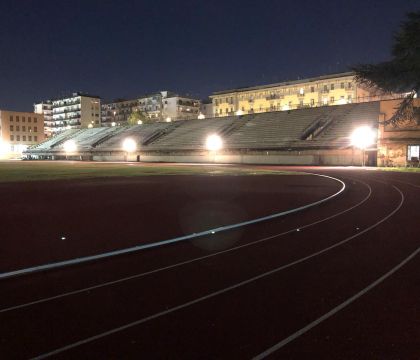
(75, 111)
(45, 108)
(18, 131)
(161, 106)
(398, 145)
(334, 89)
(117, 112)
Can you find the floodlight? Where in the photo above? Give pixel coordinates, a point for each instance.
(214, 142)
(168, 119)
(4, 148)
(90, 126)
(239, 112)
(363, 137)
(113, 123)
(70, 146)
(139, 122)
(129, 145)
(201, 116)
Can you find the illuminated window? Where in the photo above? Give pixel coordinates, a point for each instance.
(413, 152)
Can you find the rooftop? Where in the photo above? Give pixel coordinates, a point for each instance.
(285, 83)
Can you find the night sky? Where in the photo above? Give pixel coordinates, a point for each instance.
(122, 49)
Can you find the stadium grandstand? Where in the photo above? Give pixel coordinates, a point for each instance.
(309, 136)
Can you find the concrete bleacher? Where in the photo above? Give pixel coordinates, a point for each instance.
(55, 140)
(139, 133)
(351, 117)
(321, 127)
(192, 134)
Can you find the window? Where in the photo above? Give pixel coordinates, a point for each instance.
(29, 119)
(24, 137)
(12, 137)
(332, 99)
(312, 102)
(23, 119)
(413, 151)
(29, 138)
(23, 128)
(35, 138)
(312, 89)
(17, 137)
(35, 120)
(35, 129)
(342, 85)
(349, 99)
(11, 117)
(29, 129)
(332, 86)
(17, 118)
(11, 127)
(17, 128)
(325, 88)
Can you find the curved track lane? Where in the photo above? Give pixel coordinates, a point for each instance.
(277, 281)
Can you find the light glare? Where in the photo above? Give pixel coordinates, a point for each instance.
(70, 146)
(214, 142)
(129, 145)
(363, 137)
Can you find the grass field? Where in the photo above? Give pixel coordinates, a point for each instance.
(11, 171)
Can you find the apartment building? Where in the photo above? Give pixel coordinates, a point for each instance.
(117, 112)
(46, 108)
(18, 131)
(160, 106)
(325, 90)
(74, 111)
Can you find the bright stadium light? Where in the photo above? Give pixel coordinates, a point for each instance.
(129, 145)
(168, 119)
(70, 146)
(363, 137)
(4, 148)
(90, 126)
(139, 122)
(113, 123)
(201, 116)
(214, 142)
(239, 112)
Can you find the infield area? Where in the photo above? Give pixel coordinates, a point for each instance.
(333, 275)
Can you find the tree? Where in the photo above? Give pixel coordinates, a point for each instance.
(401, 74)
(137, 116)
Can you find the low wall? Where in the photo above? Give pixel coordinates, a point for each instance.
(324, 157)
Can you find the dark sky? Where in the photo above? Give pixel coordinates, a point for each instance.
(126, 48)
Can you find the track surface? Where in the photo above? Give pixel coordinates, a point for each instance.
(233, 295)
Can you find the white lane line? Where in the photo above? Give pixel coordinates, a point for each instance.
(335, 310)
(219, 292)
(80, 260)
(136, 276)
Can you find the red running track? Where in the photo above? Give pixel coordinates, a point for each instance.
(247, 292)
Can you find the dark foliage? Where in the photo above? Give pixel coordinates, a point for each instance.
(402, 73)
